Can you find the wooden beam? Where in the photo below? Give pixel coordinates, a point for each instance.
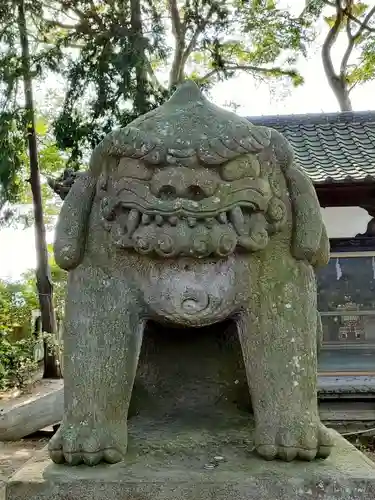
(29, 413)
(346, 194)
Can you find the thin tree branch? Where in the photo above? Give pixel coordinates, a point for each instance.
(352, 87)
(183, 52)
(78, 12)
(350, 46)
(200, 28)
(364, 24)
(177, 28)
(57, 24)
(5, 29)
(329, 42)
(248, 69)
(153, 78)
(352, 38)
(56, 10)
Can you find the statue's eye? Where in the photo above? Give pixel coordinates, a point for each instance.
(135, 169)
(246, 166)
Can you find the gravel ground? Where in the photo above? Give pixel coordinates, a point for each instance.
(14, 454)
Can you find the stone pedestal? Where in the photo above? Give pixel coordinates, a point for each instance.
(197, 463)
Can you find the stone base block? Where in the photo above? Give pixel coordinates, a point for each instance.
(190, 474)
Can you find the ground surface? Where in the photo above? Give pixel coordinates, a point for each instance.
(207, 459)
(13, 455)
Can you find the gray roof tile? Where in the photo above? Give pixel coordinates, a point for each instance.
(331, 147)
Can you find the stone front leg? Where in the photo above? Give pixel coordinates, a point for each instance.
(102, 340)
(278, 338)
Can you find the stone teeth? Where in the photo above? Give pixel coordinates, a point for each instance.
(209, 222)
(173, 220)
(146, 219)
(133, 221)
(237, 219)
(191, 221)
(159, 220)
(222, 218)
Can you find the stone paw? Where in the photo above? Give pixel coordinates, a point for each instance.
(302, 442)
(82, 443)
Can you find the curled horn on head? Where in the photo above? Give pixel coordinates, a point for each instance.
(221, 149)
(127, 142)
(131, 142)
(310, 240)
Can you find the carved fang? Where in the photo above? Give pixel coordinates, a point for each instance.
(159, 220)
(146, 219)
(222, 218)
(191, 221)
(133, 221)
(237, 219)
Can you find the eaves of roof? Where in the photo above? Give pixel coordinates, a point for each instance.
(329, 147)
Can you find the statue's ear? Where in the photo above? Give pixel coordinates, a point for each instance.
(70, 233)
(321, 257)
(310, 240)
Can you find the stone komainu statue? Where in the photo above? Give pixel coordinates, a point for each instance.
(188, 216)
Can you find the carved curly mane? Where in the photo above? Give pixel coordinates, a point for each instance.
(172, 134)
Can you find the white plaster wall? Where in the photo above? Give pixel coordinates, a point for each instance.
(345, 222)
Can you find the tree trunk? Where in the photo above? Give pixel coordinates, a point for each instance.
(141, 101)
(43, 277)
(341, 92)
(337, 82)
(176, 75)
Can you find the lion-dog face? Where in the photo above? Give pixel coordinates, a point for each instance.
(197, 211)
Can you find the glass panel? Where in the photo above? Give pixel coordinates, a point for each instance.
(348, 343)
(347, 284)
(346, 301)
(346, 362)
(348, 328)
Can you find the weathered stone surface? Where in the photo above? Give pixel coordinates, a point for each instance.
(175, 466)
(188, 217)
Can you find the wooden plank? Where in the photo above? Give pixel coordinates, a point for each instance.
(360, 411)
(343, 383)
(24, 414)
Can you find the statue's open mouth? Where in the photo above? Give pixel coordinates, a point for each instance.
(237, 215)
(187, 234)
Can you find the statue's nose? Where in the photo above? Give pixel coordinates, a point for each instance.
(193, 192)
(182, 182)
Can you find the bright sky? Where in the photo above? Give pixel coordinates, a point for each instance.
(17, 252)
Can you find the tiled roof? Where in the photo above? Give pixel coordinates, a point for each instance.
(331, 147)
